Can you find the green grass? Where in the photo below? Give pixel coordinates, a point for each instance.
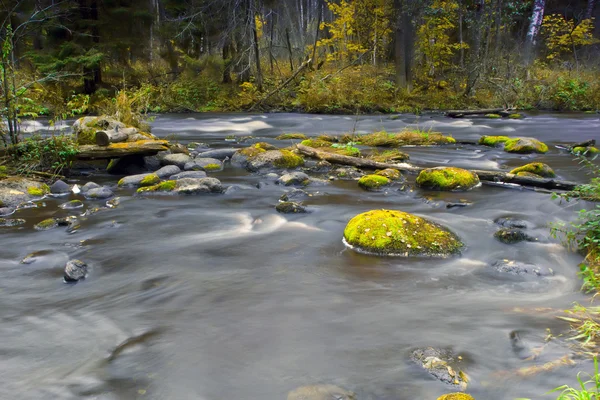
(588, 389)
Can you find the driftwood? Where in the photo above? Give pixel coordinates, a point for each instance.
(461, 113)
(104, 138)
(587, 143)
(116, 150)
(485, 176)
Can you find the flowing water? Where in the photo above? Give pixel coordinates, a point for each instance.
(219, 297)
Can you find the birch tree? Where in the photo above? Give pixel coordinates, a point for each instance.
(537, 16)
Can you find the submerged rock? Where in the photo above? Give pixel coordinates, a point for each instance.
(447, 178)
(100, 193)
(290, 207)
(320, 392)
(175, 159)
(441, 364)
(537, 168)
(167, 171)
(519, 268)
(348, 173)
(60, 187)
(208, 164)
(75, 270)
(510, 222)
(387, 232)
(219, 154)
(373, 182)
(140, 180)
(46, 224)
(525, 146)
(294, 178)
(236, 188)
(89, 186)
(188, 174)
(295, 194)
(72, 205)
(11, 222)
(283, 159)
(511, 236)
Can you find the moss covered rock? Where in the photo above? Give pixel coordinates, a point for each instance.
(447, 178)
(373, 182)
(392, 174)
(140, 180)
(284, 159)
(388, 232)
(290, 207)
(46, 224)
(525, 146)
(512, 236)
(515, 116)
(493, 141)
(587, 151)
(389, 156)
(36, 191)
(456, 396)
(493, 116)
(442, 364)
(292, 136)
(536, 168)
(316, 143)
(166, 186)
(16, 190)
(264, 146)
(85, 129)
(526, 174)
(405, 138)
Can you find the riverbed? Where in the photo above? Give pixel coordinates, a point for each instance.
(227, 299)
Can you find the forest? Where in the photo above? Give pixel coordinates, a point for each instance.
(67, 57)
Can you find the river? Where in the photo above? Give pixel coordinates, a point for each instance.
(226, 299)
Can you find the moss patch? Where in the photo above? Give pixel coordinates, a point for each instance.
(288, 160)
(515, 116)
(264, 146)
(34, 191)
(387, 156)
(525, 146)
(450, 178)
(251, 151)
(316, 143)
(373, 182)
(150, 180)
(588, 151)
(212, 167)
(493, 116)
(138, 143)
(46, 224)
(3, 171)
(528, 175)
(397, 232)
(493, 141)
(456, 396)
(294, 136)
(390, 173)
(166, 186)
(537, 168)
(405, 138)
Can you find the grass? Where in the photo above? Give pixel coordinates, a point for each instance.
(414, 137)
(589, 386)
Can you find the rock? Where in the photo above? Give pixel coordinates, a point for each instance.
(241, 157)
(493, 141)
(16, 190)
(447, 178)
(75, 270)
(511, 236)
(236, 188)
(529, 175)
(515, 116)
(189, 174)
(178, 148)
(585, 151)
(290, 207)
(151, 163)
(294, 178)
(35, 256)
(320, 392)
(175, 159)
(208, 164)
(290, 136)
(60, 187)
(264, 146)
(321, 166)
(373, 182)
(284, 159)
(46, 224)
(537, 168)
(140, 180)
(85, 129)
(194, 186)
(510, 222)
(220, 154)
(71, 205)
(461, 204)
(167, 171)
(525, 146)
(295, 194)
(441, 364)
(272, 176)
(493, 116)
(6, 211)
(519, 268)
(387, 232)
(113, 203)
(100, 193)
(11, 222)
(456, 396)
(348, 173)
(89, 186)
(392, 174)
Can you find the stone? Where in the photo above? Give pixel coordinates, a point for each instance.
(520, 268)
(17, 190)
(194, 186)
(71, 205)
(537, 168)
(510, 222)
(512, 236)
(525, 146)
(441, 364)
(391, 174)
(292, 136)
(188, 174)
(167, 171)
(208, 164)
(294, 178)
(236, 188)
(178, 148)
(320, 392)
(493, 141)
(284, 159)
(290, 207)
(11, 222)
(60, 187)
(75, 270)
(151, 163)
(219, 154)
(294, 194)
(176, 159)
(447, 178)
(350, 173)
(140, 180)
(6, 211)
(89, 186)
(391, 232)
(100, 193)
(373, 182)
(46, 224)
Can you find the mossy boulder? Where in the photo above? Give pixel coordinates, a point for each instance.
(456, 396)
(208, 164)
(447, 178)
(525, 146)
(512, 236)
(389, 232)
(442, 364)
(587, 151)
(292, 136)
(392, 174)
(46, 224)
(264, 146)
(526, 174)
(140, 180)
(536, 168)
(405, 138)
(37, 191)
(389, 156)
(85, 129)
(493, 141)
(166, 186)
(185, 186)
(290, 207)
(493, 116)
(283, 159)
(316, 143)
(515, 116)
(373, 182)
(17, 190)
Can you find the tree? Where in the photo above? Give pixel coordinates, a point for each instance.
(537, 16)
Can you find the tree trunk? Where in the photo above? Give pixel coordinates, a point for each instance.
(537, 16)
(104, 138)
(403, 45)
(289, 47)
(252, 15)
(589, 12)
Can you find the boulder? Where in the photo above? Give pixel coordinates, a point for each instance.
(139, 180)
(511, 236)
(151, 163)
(219, 154)
(525, 146)
(290, 207)
(294, 179)
(75, 270)
(241, 157)
(320, 392)
(295, 194)
(60, 187)
(188, 174)
(185, 186)
(442, 365)
(447, 178)
(11, 222)
(520, 268)
(510, 222)
(208, 164)
(89, 186)
(392, 174)
(388, 232)
(167, 171)
(493, 141)
(46, 224)
(373, 182)
(537, 168)
(175, 159)
(283, 159)
(17, 190)
(350, 173)
(100, 193)
(292, 136)
(236, 188)
(71, 205)
(178, 148)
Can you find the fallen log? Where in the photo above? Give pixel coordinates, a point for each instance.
(104, 138)
(486, 176)
(461, 113)
(117, 150)
(587, 143)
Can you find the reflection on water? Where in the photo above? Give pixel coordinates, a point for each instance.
(214, 297)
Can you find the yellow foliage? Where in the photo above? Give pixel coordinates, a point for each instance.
(563, 35)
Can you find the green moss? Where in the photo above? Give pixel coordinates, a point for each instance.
(588, 151)
(536, 168)
(405, 138)
(515, 116)
(289, 160)
(397, 232)
(525, 146)
(456, 396)
(212, 167)
(46, 224)
(373, 182)
(34, 191)
(493, 116)
(251, 151)
(390, 173)
(295, 136)
(166, 186)
(150, 180)
(450, 178)
(3, 171)
(528, 174)
(389, 156)
(87, 135)
(493, 141)
(316, 143)
(264, 146)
